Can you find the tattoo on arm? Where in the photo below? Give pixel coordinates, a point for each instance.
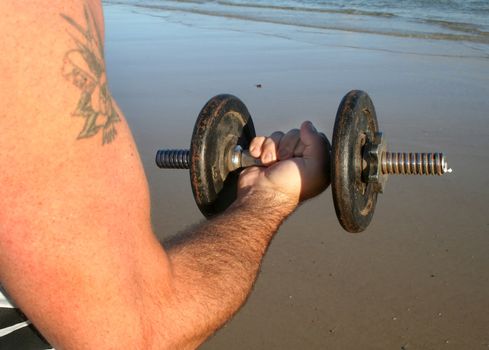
(84, 66)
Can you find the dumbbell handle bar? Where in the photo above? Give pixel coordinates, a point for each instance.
(391, 163)
(180, 159)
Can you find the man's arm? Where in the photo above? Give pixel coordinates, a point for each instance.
(77, 252)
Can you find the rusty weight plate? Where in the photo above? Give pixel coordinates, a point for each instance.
(355, 124)
(223, 123)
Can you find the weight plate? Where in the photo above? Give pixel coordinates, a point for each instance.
(223, 123)
(355, 124)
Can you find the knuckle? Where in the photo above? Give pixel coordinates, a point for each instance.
(258, 139)
(277, 134)
(292, 136)
(269, 142)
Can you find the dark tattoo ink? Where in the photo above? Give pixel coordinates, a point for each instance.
(84, 66)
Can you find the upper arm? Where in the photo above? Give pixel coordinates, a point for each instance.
(75, 231)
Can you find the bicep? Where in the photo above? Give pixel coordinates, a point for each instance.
(74, 206)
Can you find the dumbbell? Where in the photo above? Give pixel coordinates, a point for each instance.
(359, 169)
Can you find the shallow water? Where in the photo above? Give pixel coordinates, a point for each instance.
(437, 20)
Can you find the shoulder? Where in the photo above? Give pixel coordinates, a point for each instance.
(59, 122)
(65, 144)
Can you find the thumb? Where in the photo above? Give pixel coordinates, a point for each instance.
(315, 144)
(309, 134)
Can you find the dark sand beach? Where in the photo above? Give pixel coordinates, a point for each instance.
(418, 278)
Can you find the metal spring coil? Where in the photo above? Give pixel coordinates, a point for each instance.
(173, 158)
(414, 163)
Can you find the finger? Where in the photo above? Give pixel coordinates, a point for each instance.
(325, 138)
(288, 144)
(256, 146)
(270, 147)
(299, 149)
(315, 143)
(309, 134)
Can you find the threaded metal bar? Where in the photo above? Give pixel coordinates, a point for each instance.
(414, 163)
(391, 163)
(173, 158)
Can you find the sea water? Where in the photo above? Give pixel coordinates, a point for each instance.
(454, 20)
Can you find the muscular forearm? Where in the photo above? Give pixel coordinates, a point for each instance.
(215, 264)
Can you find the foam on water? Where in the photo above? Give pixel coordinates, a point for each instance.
(453, 20)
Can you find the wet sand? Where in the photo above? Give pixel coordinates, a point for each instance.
(418, 278)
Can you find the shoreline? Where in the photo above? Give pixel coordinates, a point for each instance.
(346, 19)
